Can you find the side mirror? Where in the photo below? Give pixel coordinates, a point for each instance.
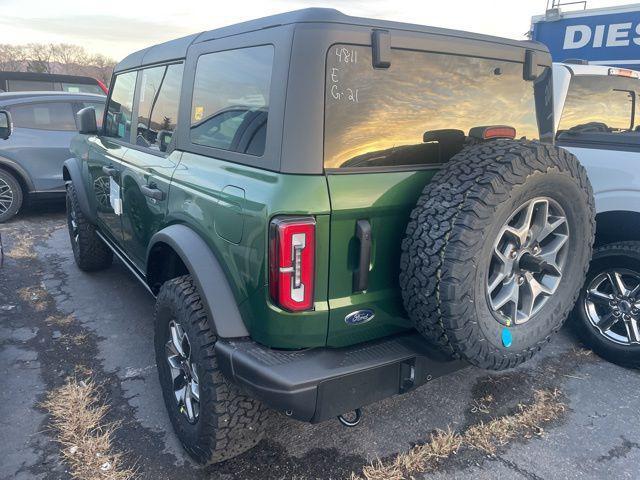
(6, 126)
(164, 139)
(87, 121)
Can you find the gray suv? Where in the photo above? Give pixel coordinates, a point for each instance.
(36, 129)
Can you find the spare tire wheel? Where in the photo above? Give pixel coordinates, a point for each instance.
(496, 251)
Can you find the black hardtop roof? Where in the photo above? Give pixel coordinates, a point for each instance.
(45, 77)
(177, 49)
(17, 97)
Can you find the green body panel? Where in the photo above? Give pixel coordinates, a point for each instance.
(102, 152)
(230, 206)
(385, 200)
(143, 216)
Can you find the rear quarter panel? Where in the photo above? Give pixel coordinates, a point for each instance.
(230, 206)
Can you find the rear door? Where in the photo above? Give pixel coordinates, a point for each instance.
(107, 151)
(148, 165)
(377, 161)
(40, 142)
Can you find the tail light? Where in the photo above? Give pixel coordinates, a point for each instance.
(292, 246)
(623, 72)
(492, 131)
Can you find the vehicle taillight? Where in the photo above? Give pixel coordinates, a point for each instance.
(499, 132)
(292, 246)
(623, 72)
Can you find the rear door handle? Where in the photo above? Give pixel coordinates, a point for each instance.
(152, 191)
(361, 276)
(112, 172)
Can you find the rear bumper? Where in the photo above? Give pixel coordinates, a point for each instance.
(318, 384)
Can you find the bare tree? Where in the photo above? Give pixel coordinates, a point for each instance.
(72, 59)
(56, 58)
(12, 57)
(39, 57)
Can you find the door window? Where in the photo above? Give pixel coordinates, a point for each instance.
(231, 99)
(120, 106)
(44, 116)
(600, 104)
(158, 106)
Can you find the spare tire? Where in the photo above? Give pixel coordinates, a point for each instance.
(496, 251)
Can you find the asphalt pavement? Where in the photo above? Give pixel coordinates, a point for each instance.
(56, 322)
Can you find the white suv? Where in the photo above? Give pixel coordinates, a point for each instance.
(597, 119)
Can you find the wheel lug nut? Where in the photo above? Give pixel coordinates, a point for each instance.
(520, 279)
(513, 254)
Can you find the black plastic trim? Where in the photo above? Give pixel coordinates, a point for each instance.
(321, 383)
(73, 167)
(211, 281)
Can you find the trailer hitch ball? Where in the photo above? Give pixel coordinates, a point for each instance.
(352, 419)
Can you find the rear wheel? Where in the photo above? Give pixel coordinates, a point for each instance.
(607, 314)
(11, 196)
(496, 251)
(212, 418)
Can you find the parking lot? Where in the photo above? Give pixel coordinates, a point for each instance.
(57, 322)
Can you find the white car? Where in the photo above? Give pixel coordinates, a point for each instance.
(597, 119)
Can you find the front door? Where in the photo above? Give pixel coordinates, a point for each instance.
(106, 153)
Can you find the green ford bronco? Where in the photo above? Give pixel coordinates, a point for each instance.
(330, 211)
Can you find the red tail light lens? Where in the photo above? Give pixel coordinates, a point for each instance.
(499, 132)
(292, 246)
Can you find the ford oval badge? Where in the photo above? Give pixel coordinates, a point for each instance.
(359, 317)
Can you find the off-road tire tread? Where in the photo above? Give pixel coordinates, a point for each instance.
(446, 224)
(91, 253)
(234, 421)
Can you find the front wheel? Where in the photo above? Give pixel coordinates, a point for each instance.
(607, 314)
(89, 251)
(212, 418)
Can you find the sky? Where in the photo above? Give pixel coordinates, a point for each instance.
(118, 27)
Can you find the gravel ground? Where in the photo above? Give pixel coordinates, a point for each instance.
(56, 322)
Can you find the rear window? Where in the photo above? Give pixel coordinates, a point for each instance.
(81, 88)
(231, 99)
(600, 103)
(379, 117)
(30, 86)
(44, 116)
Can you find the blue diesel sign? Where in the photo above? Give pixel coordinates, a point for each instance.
(602, 36)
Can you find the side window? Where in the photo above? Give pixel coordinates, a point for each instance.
(44, 116)
(600, 104)
(120, 106)
(158, 106)
(231, 99)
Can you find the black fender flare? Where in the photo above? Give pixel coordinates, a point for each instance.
(24, 175)
(209, 277)
(72, 169)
